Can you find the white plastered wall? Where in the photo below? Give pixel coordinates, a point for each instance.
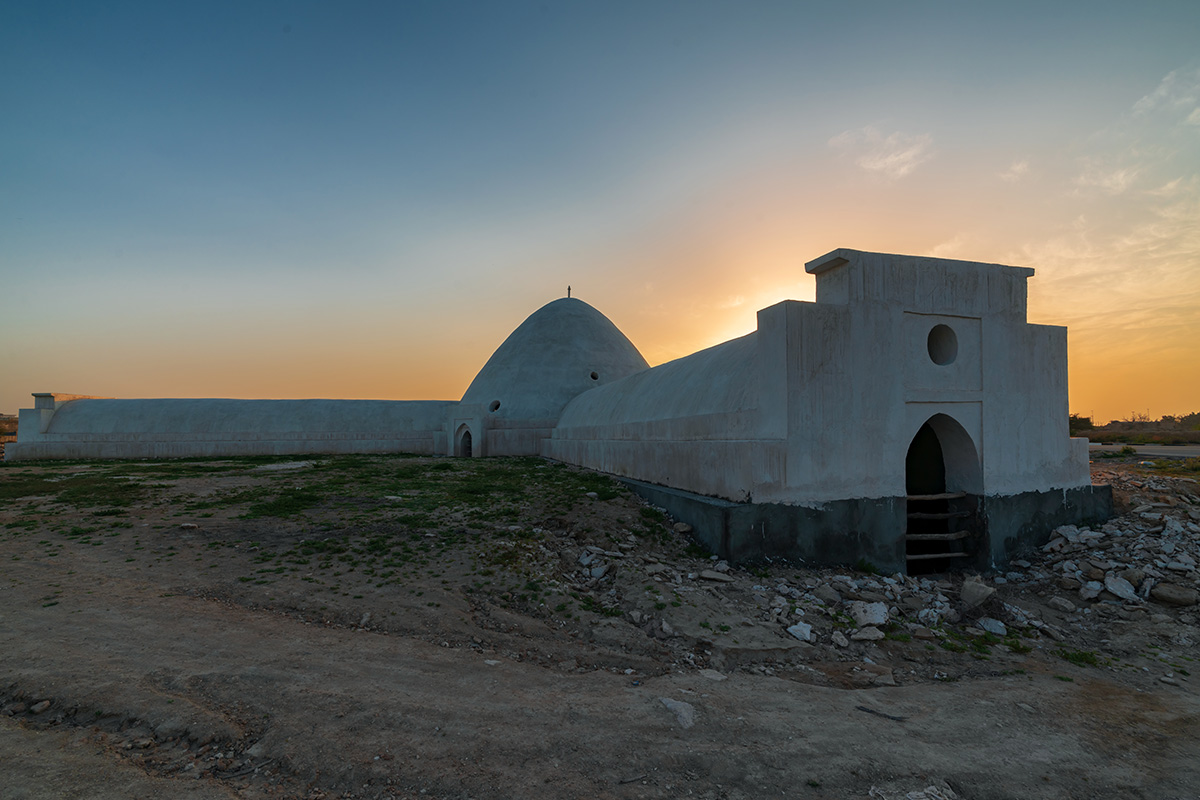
(822, 402)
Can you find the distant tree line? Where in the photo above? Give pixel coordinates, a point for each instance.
(1141, 428)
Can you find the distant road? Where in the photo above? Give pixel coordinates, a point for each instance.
(1155, 450)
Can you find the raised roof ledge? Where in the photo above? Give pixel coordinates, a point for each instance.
(844, 255)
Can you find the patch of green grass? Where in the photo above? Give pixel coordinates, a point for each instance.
(1080, 658)
(862, 565)
(286, 503)
(653, 516)
(18, 486)
(588, 603)
(101, 490)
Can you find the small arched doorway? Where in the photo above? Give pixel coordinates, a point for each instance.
(942, 481)
(462, 442)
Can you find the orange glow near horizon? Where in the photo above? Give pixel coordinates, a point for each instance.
(1118, 365)
(254, 228)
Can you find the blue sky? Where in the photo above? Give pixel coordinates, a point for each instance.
(363, 199)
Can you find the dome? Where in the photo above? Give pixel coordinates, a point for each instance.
(563, 349)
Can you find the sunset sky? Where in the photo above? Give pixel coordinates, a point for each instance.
(363, 199)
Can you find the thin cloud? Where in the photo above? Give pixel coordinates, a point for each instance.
(894, 156)
(1168, 189)
(1016, 172)
(737, 301)
(1108, 179)
(1178, 89)
(952, 248)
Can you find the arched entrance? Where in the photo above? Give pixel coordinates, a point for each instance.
(942, 481)
(462, 442)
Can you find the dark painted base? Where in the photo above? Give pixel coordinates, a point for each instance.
(847, 532)
(1022, 522)
(840, 532)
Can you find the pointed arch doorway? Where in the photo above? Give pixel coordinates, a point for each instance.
(462, 442)
(943, 482)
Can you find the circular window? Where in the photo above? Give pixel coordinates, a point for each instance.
(595, 376)
(495, 406)
(943, 344)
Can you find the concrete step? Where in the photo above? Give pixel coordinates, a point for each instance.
(941, 515)
(936, 537)
(930, 556)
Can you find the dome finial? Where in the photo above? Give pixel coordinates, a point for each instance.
(568, 290)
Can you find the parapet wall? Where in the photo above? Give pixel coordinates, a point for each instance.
(105, 428)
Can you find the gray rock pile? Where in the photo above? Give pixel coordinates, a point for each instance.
(1151, 553)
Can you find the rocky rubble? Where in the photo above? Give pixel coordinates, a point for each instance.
(1141, 566)
(1150, 553)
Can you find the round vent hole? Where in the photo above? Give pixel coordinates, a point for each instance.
(595, 376)
(495, 406)
(943, 345)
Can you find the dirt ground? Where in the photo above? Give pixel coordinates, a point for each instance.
(378, 627)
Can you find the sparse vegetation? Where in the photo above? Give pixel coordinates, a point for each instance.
(1080, 658)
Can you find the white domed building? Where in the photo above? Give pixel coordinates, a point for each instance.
(561, 351)
(910, 417)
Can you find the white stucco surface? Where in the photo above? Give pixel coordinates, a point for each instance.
(562, 350)
(550, 358)
(822, 402)
(819, 404)
(157, 428)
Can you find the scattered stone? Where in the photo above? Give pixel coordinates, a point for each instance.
(713, 675)
(1061, 604)
(840, 639)
(685, 713)
(189, 526)
(1121, 588)
(712, 575)
(924, 634)
(1174, 595)
(1090, 590)
(1134, 576)
(885, 678)
(975, 592)
(827, 594)
(802, 631)
(868, 634)
(592, 495)
(681, 527)
(865, 614)
(39, 707)
(992, 626)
